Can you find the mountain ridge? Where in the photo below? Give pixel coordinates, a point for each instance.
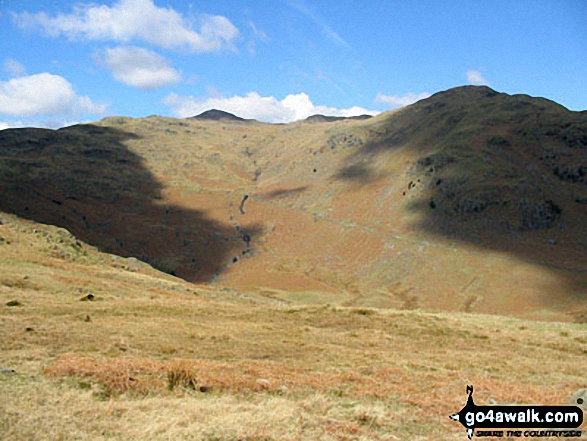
(364, 212)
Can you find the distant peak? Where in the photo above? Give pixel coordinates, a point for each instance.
(325, 118)
(218, 115)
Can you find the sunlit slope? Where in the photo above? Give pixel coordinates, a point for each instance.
(470, 200)
(92, 343)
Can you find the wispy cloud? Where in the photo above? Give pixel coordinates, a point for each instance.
(13, 68)
(396, 101)
(256, 35)
(262, 108)
(141, 20)
(327, 79)
(325, 28)
(476, 78)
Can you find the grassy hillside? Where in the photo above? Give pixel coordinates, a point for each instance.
(218, 279)
(108, 348)
(471, 200)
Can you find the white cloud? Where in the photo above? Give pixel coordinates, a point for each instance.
(268, 109)
(128, 20)
(140, 68)
(43, 94)
(47, 123)
(13, 68)
(475, 77)
(395, 101)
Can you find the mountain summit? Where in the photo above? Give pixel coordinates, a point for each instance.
(218, 115)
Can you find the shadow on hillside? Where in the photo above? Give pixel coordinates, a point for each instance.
(357, 174)
(504, 173)
(83, 178)
(286, 192)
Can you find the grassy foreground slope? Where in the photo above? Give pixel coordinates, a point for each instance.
(96, 342)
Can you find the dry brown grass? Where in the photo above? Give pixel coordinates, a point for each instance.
(271, 371)
(147, 376)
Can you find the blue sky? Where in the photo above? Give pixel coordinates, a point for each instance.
(63, 62)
